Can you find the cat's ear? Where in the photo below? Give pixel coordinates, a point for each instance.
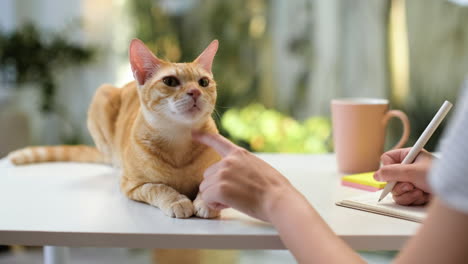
(206, 58)
(144, 63)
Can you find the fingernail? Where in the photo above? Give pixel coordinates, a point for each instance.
(377, 177)
(406, 188)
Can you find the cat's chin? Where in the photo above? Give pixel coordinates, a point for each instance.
(191, 116)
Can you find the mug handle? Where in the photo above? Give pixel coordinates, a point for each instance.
(406, 126)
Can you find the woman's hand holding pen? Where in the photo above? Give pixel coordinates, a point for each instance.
(412, 187)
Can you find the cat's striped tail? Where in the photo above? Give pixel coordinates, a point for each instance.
(78, 153)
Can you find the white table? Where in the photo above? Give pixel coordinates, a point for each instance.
(71, 204)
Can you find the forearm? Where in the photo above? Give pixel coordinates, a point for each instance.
(306, 235)
(441, 239)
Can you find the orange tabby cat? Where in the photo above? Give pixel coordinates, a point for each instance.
(145, 129)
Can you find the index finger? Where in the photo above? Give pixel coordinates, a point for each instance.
(216, 141)
(395, 172)
(395, 156)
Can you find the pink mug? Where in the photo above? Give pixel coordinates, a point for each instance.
(359, 126)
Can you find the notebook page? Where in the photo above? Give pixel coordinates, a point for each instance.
(369, 202)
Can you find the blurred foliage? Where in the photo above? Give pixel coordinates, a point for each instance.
(265, 130)
(30, 56)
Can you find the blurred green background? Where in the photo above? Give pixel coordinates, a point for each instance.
(278, 66)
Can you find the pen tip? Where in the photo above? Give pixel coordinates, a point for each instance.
(379, 200)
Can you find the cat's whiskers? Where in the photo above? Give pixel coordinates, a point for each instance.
(217, 115)
(204, 102)
(162, 104)
(225, 107)
(186, 104)
(183, 100)
(216, 112)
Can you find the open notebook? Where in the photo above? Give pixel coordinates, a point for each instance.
(368, 202)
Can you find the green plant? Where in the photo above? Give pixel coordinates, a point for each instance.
(30, 56)
(266, 130)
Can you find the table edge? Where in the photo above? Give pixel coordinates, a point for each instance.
(177, 241)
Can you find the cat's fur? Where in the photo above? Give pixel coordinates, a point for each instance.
(145, 129)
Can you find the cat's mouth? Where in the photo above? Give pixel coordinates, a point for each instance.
(190, 112)
(195, 108)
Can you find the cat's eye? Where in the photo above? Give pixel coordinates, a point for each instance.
(171, 81)
(203, 82)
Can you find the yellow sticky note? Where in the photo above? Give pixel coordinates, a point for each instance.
(363, 181)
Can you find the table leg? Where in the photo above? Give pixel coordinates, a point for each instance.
(56, 255)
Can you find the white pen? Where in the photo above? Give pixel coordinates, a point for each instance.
(422, 140)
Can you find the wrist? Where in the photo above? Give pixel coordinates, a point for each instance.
(280, 200)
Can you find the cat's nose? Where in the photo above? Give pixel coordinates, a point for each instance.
(194, 93)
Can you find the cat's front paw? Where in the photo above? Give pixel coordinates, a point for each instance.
(202, 210)
(181, 208)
